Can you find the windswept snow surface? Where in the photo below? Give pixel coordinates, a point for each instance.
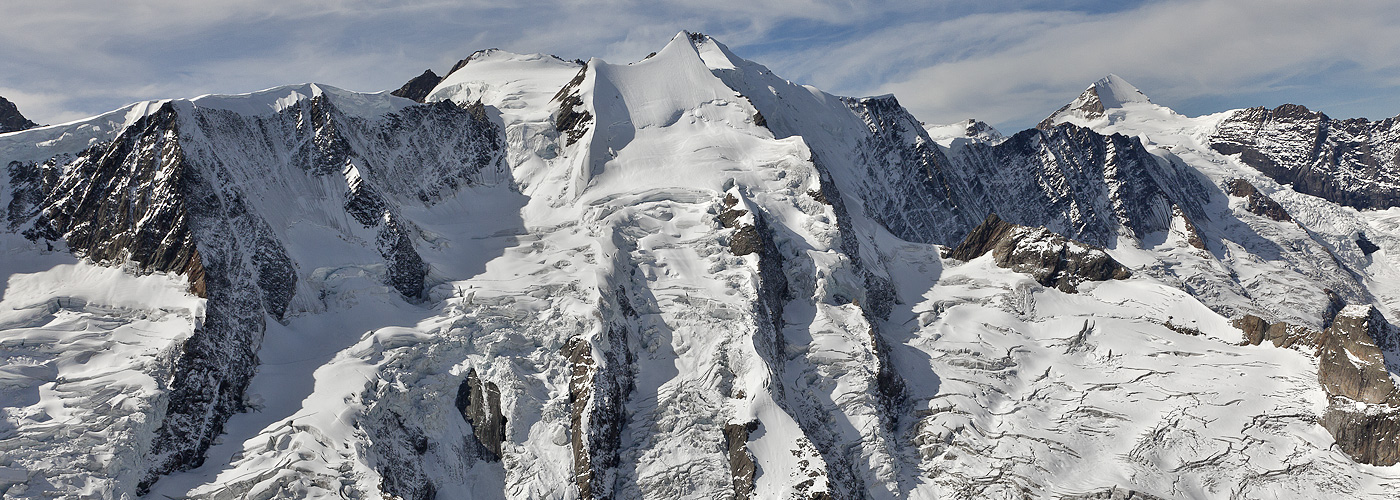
(687, 294)
(86, 354)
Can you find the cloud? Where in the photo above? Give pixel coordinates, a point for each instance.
(1178, 52)
(1004, 61)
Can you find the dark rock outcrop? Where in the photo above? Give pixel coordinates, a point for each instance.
(417, 89)
(140, 200)
(1257, 203)
(120, 201)
(569, 119)
(1370, 436)
(480, 404)
(1053, 260)
(597, 395)
(1365, 244)
(1352, 162)
(741, 465)
(1281, 334)
(1114, 493)
(1193, 233)
(1253, 327)
(10, 118)
(399, 450)
(752, 235)
(1361, 415)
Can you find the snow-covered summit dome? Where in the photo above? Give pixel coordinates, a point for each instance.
(1109, 92)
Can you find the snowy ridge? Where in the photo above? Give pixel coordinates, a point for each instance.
(683, 277)
(970, 130)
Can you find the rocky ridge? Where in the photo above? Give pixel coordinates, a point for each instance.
(1053, 260)
(10, 118)
(1353, 162)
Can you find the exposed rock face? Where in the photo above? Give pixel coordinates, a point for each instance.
(1352, 369)
(1087, 106)
(1281, 334)
(1254, 328)
(150, 223)
(1370, 436)
(598, 393)
(1258, 203)
(1053, 260)
(164, 196)
(1082, 184)
(1365, 244)
(399, 452)
(480, 404)
(570, 120)
(140, 199)
(741, 464)
(1193, 233)
(417, 88)
(752, 235)
(1350, 362)
(10, 118)
(1352, 162)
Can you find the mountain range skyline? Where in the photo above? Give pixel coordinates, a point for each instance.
(1006, 63)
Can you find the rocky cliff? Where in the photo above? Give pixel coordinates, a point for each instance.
(1054, 261)
(10, 118)
(1353, 162)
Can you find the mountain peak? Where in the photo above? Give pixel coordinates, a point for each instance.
(1109, 92)
(1113, 91)
(10, 118)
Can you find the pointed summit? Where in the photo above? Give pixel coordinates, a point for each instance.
(10, 118)
(1110, 92)
(1114, 91)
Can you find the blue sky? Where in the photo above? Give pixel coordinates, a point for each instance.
(1006, 62)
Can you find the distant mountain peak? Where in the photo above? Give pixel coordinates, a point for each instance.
(417, 89)
(10, 118)
(1113, 91)
(1109, 92)
(970, 128)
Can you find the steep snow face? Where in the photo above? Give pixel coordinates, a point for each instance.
(683, 277)
(1114, 92)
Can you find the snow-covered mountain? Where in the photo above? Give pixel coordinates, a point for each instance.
(686, 277)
